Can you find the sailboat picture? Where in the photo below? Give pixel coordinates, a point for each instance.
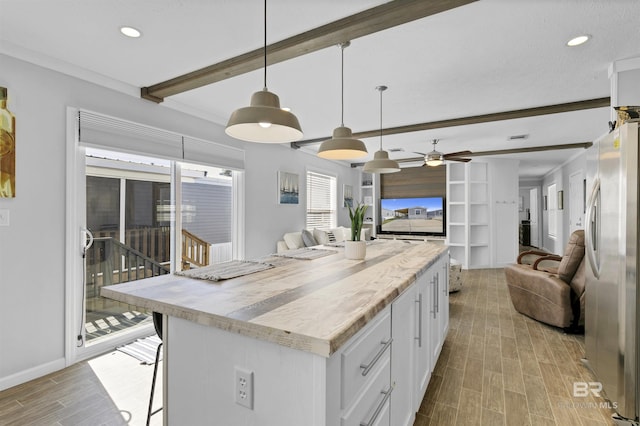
(288, 188)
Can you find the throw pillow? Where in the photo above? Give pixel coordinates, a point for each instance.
(332, 238)
(320, 236)
(307, 238)
(293, 240)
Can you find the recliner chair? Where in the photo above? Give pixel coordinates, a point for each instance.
(551, 294)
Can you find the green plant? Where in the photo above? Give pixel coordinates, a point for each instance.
(357, 218)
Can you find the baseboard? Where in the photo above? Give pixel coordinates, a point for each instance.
(31, 373)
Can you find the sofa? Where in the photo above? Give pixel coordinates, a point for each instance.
(554, 295)
(309, 238)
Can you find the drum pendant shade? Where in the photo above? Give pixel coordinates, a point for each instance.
(264, 121)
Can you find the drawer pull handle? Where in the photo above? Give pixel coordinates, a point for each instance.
(434, 296)
(367, 367)
(419, 338)
(379, 408)
(437, 291)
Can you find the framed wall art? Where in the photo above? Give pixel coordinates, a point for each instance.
(288, 188)
(347, 195)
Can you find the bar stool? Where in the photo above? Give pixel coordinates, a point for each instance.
(157, 323)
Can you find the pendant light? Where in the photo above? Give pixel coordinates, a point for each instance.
(342, 146)
(264, 121)
(381, 162)
(434, 158)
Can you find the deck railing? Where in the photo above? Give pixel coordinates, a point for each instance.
(151, 247)
(111, 262)
(195, 250)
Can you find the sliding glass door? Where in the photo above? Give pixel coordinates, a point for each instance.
(134, 204)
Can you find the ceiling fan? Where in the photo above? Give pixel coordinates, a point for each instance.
(436, 158)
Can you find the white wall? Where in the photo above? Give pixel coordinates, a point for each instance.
(32, 259)
(560, 177)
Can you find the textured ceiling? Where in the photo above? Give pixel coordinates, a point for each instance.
(485, 57)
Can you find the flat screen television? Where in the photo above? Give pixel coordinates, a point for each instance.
(412, 216)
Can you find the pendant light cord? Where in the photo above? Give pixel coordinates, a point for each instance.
(265, 45)
(381, 90)
(342, 46)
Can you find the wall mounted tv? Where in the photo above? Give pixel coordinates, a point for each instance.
(412, 216)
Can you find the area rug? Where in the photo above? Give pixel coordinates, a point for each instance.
(225, 270)
(144, 350)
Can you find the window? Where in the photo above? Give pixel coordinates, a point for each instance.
(321, 201)
(417, 211)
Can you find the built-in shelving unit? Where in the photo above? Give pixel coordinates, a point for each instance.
(370, 195)
(468, 219)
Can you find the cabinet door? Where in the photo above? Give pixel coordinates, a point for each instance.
(444, 302)
(404, 333)
(435, 342)
(422, 343)
(440, 324)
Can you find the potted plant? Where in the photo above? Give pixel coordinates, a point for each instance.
(355, 248)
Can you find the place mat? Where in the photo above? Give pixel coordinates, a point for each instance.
(225, 270)
(144, 350)
(341, 243)
(306, 253)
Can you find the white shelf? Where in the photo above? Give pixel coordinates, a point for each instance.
(468, 199)
(370, 194)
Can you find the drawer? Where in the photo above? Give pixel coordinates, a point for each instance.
(363, 357)
(371, 408)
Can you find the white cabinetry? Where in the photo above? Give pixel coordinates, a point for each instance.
(370, 195)
(403, 311)
(423, 324)
(378, 377)
(440, 308)
(365, 374)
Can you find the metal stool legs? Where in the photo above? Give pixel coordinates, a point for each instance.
(157, 323)
(153, 386)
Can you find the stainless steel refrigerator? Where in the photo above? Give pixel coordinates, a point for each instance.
(612, 303)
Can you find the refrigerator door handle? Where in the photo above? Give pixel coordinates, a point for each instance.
(591, 229)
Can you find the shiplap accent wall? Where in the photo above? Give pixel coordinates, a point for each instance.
(414, 182)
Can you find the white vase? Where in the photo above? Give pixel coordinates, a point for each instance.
(355, 249)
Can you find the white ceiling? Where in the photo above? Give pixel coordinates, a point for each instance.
(485, 57)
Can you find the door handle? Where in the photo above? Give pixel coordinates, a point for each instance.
(591, 229)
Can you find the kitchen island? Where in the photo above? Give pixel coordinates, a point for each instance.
(315, 338)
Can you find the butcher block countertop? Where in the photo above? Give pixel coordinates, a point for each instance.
(310, 305)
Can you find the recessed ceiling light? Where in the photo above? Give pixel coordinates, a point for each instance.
(577, 41)
(130, 32)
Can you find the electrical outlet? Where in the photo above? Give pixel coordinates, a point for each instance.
(244, 387)
(4, 217)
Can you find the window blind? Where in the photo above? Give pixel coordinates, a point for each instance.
(102, 131)
(321, 201)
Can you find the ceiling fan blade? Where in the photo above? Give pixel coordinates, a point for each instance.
(457, 154)
(462, 160)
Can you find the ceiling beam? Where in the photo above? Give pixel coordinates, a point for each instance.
(475, 119)
(584, 145)
(376, 19)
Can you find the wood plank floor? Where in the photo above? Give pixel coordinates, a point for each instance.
(497, 367)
